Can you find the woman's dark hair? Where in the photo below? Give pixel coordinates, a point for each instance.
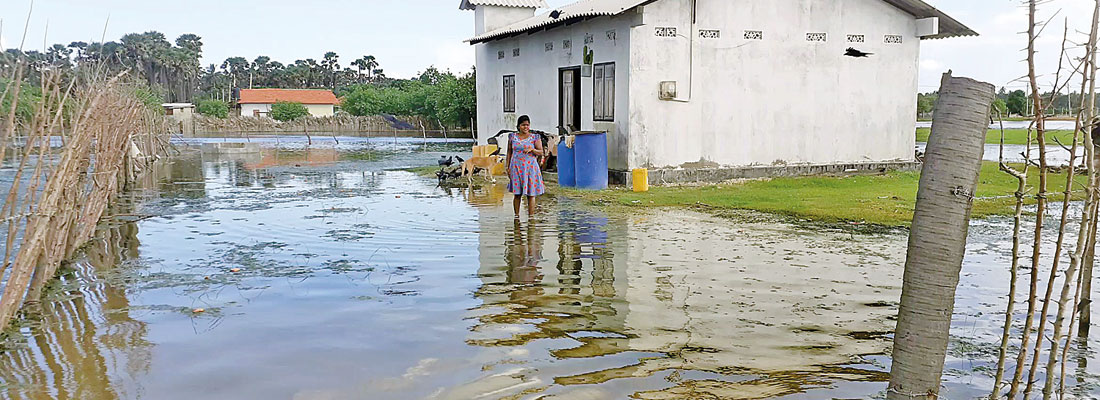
(522, 119)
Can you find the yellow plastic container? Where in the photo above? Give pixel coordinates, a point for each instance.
(484, 151)
(641, 180)
(498, 169)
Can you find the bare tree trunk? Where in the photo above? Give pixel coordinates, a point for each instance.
(1089, 256)
(1085, 309)
(937, 240)
(1021, 190)
(1040, 212)
(1040, 132)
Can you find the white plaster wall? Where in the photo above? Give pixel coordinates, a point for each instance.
(322, 110)
(247, 110)
(537, 70)
(778, 100)
(487, 18)
(316, 110)
(182, 114)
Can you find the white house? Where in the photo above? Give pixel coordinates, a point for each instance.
(181, 116)
(712, 84)
(258, 102)
(179, 111)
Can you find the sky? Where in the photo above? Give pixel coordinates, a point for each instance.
(407, 36)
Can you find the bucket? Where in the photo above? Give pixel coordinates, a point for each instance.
(567, 173)
(591, 160)
(640, 179)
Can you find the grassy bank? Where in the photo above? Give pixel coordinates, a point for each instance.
(885, 200)
(1012, 136)
(882, 200)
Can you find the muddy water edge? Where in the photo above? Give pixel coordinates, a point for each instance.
(324, 272)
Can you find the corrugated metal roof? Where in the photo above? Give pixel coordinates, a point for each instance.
(949, 27)
(471, 4)
(579, 10)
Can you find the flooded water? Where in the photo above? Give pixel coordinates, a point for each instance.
(1017, 153)
(1059, 125)
(322, 273)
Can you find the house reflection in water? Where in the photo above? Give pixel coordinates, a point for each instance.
(664, 303)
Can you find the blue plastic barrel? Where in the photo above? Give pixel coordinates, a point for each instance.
(591, 161)
(592, 230)
(567, 172)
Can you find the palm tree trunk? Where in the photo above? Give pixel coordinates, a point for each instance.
(937, 239)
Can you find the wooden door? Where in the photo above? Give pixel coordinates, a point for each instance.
(569, 98)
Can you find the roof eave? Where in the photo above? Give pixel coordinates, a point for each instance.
(968, 33)
(504, 35)
(566, 19)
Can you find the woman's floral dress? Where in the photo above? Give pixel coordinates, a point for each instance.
(526, 177)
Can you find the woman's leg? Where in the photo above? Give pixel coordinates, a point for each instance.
(515, 203)
(530, 205)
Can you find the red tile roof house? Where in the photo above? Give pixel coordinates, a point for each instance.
(258, 102)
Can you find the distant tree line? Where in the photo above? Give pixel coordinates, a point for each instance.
(263, 72)
(439, 96)
(174, 71)
(1011, 103)
(171, 68)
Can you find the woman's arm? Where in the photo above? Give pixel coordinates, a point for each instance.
(538, 147)
(508, 160)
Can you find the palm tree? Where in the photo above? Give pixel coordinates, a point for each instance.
(58, 54)
(314, 68)
(331, 64)
(372, 65)
(276, 72)
(81, 50)
(361, 64)
(262, 66)
(937, 239)
(237, 68)
(191, 42)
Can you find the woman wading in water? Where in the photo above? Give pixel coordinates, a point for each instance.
(524, 149)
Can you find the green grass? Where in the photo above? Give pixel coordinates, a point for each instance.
(885, 200)
(1012, 136)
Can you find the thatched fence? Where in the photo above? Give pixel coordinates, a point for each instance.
(90, 136)
(342, 123)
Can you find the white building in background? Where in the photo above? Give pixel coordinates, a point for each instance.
(179, 111)
(258, 102)
(180, 116)
(711, 83)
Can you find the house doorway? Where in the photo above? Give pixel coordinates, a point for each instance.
(569, 95)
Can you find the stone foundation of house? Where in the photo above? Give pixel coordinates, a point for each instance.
(715, 175)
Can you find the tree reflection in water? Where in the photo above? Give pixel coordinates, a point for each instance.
(81, 341)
